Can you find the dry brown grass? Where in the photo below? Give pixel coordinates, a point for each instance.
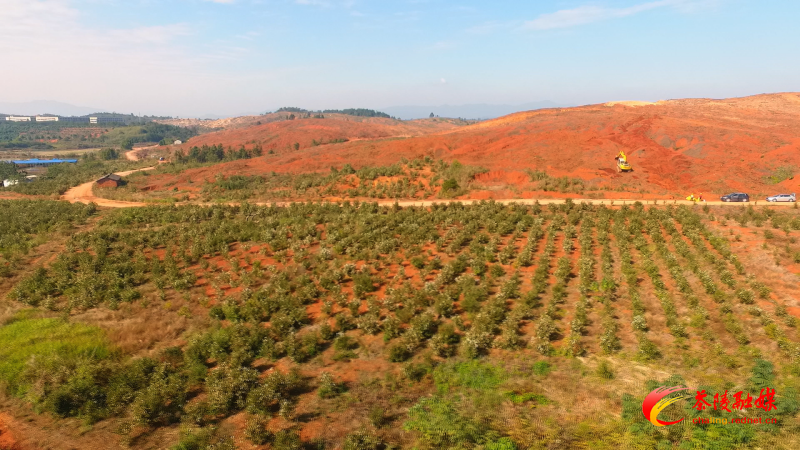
(141, 330)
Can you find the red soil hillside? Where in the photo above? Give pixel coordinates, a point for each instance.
(280, 135)
(677, 146)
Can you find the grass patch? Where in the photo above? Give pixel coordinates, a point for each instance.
(780, 174)
(471, 374)
(542, 368)
(23, 339)
(527, 397)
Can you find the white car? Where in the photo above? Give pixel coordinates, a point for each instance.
(782, 198)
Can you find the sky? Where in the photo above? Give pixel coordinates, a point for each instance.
(191, 58)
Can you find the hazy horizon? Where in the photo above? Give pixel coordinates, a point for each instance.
(194, 58)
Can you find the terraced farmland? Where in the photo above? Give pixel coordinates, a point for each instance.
(354, 325)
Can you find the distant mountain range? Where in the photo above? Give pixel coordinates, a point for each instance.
(46, 107)
(476, 111)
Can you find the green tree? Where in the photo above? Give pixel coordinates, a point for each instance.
(8, 171)
(108, 154)
(450, 185)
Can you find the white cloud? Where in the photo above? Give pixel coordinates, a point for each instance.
(50, 52)
(320, 3)
(443, 45)
(159, 34)
(491, 26)
(586, 14)
(51, 26)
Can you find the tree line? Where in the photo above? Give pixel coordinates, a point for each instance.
(217, 153)
(359, 112)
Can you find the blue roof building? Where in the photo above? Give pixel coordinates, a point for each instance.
(41, 162)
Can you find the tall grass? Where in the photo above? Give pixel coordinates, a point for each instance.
(25, 339)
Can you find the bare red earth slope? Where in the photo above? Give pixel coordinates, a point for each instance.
(675, 146)
(282, 135)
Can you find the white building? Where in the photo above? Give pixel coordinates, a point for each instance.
(18, 119)
(92, 119)
(178, 142)
(46, 119)
(27, 179)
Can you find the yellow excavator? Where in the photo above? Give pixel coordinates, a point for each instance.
(622, 163)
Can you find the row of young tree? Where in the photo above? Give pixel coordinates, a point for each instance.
(358, 112)
(217, 153)
(463, 295)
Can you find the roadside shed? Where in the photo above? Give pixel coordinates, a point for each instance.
(110, 180)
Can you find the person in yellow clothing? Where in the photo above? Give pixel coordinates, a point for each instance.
(690, 197)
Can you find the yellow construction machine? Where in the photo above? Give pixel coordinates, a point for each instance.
(622, 163)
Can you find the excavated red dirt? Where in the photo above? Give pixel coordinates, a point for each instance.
(7, 440)
(676, 147)
(282, 135)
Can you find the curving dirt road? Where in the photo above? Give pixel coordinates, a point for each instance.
(84, 194)
(134, 155)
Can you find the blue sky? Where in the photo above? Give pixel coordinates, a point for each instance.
(195, 57)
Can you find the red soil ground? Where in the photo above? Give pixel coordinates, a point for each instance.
(280, 136)
(676, 147)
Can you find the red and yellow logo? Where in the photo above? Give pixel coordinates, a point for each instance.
(656, 401)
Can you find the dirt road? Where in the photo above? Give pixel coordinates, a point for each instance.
(607, 202)
(541, 201)
(134, 155)
(83, 194)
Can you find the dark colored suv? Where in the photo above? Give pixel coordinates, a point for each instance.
(735, 197)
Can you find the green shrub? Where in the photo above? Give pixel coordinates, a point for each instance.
(398, 353)
(439, 425)
(746, 296)
(377, 417)
(274, 389)
(604, 370)
(363, 284)
(470, 374)
(496, 271)
(328, 387)
(542, 368)
(361, 440)
(450, 185)
(161, 401)
(287, 440)
(256, 430)
(228, 388)
(203, 439)
(527, 397)
(501, 444)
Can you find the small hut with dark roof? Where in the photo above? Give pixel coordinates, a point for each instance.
(110, 180)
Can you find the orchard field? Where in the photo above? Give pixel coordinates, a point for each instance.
(356, 326)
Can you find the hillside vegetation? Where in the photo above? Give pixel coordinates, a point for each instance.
(422, 179)
(676, 147)
(65, 135)
(357, 326)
